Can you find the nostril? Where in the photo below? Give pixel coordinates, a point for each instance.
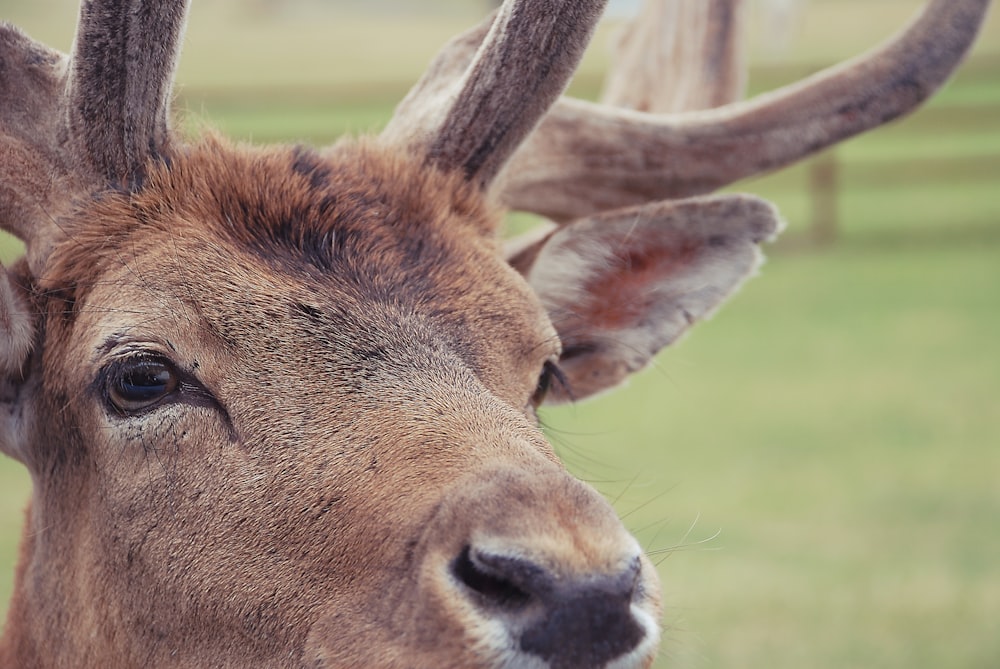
(570, 622)
(491, 582)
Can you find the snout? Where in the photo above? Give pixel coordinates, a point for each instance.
(512, 568)
(542, 575)
(580, 621)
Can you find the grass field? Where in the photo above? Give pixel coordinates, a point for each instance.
(817, 468)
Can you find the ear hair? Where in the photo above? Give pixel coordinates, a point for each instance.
(17, 333)
(622, 285)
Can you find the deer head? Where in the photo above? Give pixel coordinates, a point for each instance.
(278, 404)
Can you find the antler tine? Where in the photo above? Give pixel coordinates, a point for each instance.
(123, 62)
(585, 158)
(31, 79)
(523, 65)
(417, 115)
(679, 55)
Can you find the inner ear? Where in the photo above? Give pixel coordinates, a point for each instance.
(17, 329)
(17, 336)
(621, 286)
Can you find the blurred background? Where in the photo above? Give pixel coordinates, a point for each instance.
(816, 470)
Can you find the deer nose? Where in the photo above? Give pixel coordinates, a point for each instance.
(578, 622)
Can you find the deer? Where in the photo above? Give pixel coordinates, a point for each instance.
(279, 404)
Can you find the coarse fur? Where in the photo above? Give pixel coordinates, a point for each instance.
(278, 404)
(377, 289)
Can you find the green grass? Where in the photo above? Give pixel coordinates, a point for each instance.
(836, 428)
(816, 467)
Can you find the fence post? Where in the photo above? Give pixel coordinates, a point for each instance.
(824, 185)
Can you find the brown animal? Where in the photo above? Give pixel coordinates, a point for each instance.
(278, 404)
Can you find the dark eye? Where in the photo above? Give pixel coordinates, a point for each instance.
(138, 383)
(550, 374)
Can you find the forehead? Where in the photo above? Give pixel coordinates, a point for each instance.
(359, 211)
(358, 241)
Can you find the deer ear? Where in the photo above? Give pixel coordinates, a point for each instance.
(17, 334)
(621, 286)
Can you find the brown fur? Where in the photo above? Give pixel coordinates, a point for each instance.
(340, 464)
(202, 544)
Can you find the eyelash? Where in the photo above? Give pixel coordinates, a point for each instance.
(551, 373)
(138, 383)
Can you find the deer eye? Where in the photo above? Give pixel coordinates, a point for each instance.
(550, 374)
(140, 382)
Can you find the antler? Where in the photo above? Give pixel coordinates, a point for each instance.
(124, 57)
(679, 56)
(72, 125)
(585, 157)
(31, 80)
(523, 65)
